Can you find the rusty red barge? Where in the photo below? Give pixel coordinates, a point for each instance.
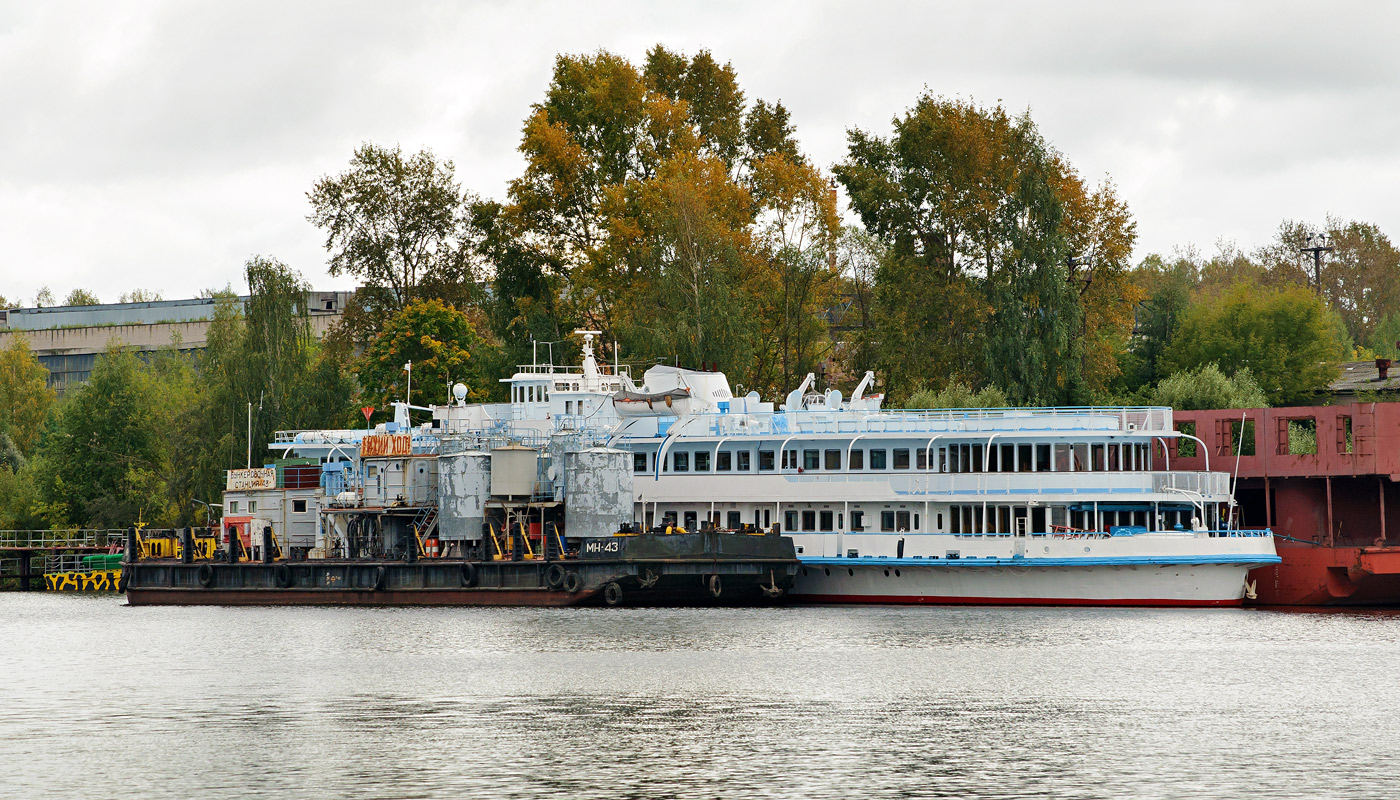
(1323, 479)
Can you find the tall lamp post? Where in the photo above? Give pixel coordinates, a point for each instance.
(1317, 244)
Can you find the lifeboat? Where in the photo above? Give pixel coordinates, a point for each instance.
(670, 403)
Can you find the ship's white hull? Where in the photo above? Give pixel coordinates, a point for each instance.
(909, 581)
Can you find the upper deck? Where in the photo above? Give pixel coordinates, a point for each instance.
(999, 421)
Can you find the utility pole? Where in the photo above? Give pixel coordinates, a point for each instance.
(1317, 244)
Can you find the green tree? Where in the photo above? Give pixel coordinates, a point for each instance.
(979, 217)
(399, 223)
(444, 347)
(1287, 337)
(44, 298)
(141, 296)
(1208, 388)
(102, 464)
(81, 297)
(957, 395)
(25, 397)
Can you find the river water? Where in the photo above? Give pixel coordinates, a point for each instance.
(98, 699)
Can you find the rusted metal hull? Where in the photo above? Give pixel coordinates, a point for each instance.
(333, 597)
(1331, 576)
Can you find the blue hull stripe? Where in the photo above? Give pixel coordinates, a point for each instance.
(1242, 559)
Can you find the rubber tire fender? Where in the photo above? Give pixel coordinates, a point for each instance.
(714, 585)
(283, 575)
(468, 574)
(206, 576)
(554, 576)
(612, 594)
(380, 573)
(121, 582)
(572, 583)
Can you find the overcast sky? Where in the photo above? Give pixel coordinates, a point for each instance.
(159, 145)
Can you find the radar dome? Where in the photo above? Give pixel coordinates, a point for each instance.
(459, 391)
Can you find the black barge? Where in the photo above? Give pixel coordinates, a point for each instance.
(708, 567)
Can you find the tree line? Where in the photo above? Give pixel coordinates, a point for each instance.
(662, 206)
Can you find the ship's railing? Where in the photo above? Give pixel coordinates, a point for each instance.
(55, 539)
(1106, 487)
(78, 563)
(1134, 419)
(571, 371)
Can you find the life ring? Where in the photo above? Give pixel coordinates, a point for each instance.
(283, 574)
(572, 583)
(714, 585)
(612, 594)
(554, 576)
(468, 574)
(379, 575)
(206, 575)
(432, 548)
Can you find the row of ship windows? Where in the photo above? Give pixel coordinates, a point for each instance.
(298, 507)
(964, 519)
(1082, 457)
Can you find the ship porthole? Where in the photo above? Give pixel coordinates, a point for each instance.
(887, 573)
(1086, 549)
(852, 572)
(896, 573)
(804, 572)
(827, 570)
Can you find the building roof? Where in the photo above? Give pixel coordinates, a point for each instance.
(1364, 376)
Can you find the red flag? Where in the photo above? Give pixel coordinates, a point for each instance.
(367, 410)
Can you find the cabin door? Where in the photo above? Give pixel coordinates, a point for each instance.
(1021, 525)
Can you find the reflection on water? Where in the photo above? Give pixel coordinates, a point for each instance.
(805, 702)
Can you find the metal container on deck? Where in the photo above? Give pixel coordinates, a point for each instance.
(598, 491)
(514, 471)
(464, 486)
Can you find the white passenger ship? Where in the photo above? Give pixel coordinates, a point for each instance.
(1060, 506)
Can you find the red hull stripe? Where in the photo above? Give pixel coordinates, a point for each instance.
(908, 600)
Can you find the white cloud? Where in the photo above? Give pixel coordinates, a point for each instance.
(161, 144)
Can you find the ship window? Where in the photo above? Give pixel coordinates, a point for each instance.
(857, 459)
(902, 521)
(943, 459)
(877, 459)
(744, 461)
(1114, 464)
(954, 461)
(901, 458)
(790, 520)
(811, 459)
(857, 520)
(827, 521)
(954, 520)
(1008, 458)
(252, 506)
(887, 521)
(921, 458)
(1042, 458)
(809, 520)
(1097, 459)
(767, 518)
(298, 506)
(1062, 458)
(1081, 457)
(977, 458)
(723, 461)
(833, 459)
(765, 460)
(1023, 458)
(680, 462)
(916, 522)
(789, 459)
(233, 507)
(702, 461)
(639, 462)
(993, 458)
(940, 520)
(735, 520)
(689, 521)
